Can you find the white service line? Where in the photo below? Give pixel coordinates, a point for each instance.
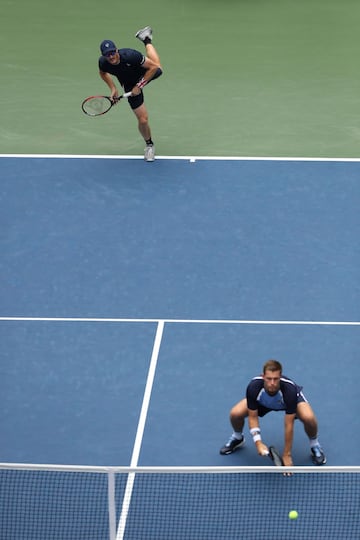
(187, 158)
(178, 321)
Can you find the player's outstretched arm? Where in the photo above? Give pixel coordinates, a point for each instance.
(289, 422)
(107, 78)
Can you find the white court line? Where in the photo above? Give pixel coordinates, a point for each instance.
(186, 158)
(177, 321)
(140, 432)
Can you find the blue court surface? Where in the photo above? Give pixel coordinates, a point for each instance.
(138, 300)
(236, 261)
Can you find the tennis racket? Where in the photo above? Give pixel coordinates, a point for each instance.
(275, 456)
(277, 459)
(98, 105)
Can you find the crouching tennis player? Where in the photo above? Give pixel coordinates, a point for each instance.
(268, 392)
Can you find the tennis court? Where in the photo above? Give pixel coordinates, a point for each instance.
(126, 344)
(138, 300)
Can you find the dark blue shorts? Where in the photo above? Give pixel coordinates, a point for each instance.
(137, 101)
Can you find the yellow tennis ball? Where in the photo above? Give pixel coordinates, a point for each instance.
(293, 514)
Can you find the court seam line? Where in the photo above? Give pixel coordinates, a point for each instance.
(186, 158)
(178, 321)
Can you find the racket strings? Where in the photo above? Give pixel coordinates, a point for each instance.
(97, 105)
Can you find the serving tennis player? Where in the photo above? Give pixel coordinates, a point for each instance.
(133, 70)
(272, 391)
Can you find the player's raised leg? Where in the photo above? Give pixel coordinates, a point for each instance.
(145, 35)
(237, 419)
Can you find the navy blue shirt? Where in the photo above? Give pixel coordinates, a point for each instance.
(285, 399)
(130, 69)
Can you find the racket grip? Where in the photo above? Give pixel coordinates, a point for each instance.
(126, 95)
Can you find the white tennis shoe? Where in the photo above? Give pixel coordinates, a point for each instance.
(144, 33)
(149, 153)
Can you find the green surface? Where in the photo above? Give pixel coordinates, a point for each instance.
(241, 77)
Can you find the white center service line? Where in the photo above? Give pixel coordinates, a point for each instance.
(140, 431)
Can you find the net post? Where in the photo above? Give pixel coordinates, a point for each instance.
(111, 505)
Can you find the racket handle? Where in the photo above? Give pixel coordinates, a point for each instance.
(126, 95)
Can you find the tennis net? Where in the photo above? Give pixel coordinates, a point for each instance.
(49, 502)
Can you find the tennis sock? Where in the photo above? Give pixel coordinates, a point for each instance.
(147, 40)
(314, 442)
(149, 142)
(238, 435)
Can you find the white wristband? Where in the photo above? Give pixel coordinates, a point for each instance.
(255, 432)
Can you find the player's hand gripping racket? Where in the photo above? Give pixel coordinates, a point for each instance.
(98, 105)
(275, 456)
(277, 459)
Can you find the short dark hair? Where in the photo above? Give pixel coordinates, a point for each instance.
(272, 365)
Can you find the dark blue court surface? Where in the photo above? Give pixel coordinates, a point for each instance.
(173, 239)
(255, 244)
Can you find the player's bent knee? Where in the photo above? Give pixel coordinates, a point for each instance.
(306, 414)
(158, 73)
(239, 410)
